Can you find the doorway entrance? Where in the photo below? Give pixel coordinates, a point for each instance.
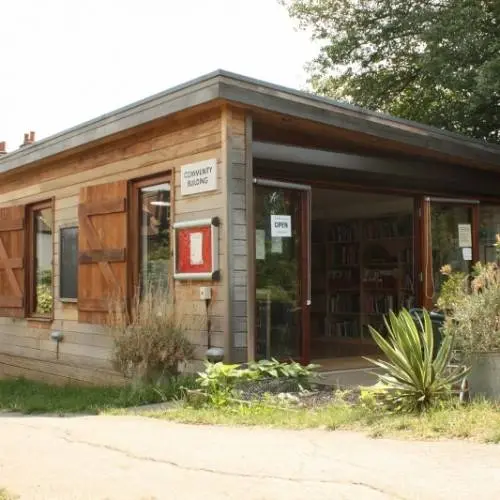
(282, 264)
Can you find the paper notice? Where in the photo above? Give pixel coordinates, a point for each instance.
(467, 253)
(277, 245)
(260, 244)
(196, 249)
(281, 226)
(464, 235)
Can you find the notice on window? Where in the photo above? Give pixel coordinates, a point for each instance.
(277, 245)
(464, 236)
(260, 244)
(281, 226)
(196, 249)
(467, 253)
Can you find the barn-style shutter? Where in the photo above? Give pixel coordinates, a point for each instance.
(12, 251)
(102, 265)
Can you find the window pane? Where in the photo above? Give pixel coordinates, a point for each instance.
(489, 227)
(43, 261)
(69, 263)
(155, 235)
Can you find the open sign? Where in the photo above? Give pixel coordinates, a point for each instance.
(281, 226)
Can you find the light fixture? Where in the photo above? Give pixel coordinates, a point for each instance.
(160, 203)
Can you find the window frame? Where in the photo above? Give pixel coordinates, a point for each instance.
(30, 257)
(62, 298)
(135, 224)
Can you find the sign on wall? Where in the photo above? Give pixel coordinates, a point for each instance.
(281, 226)
(196, 249)
(199, 177)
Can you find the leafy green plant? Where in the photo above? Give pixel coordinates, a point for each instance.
(221, 383)
(414, 380)
(274, 369)
(218, 381)
(44, 299)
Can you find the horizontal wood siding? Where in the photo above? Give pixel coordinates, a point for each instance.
(239, 244)
(85, 352)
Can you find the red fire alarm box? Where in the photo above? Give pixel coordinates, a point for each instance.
(196, 249)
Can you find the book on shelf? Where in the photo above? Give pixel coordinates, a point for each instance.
(344, 302)
(344, 278)
(348, 328)
(380, 278)
(345, 255)
(379, 303)
(388, 227)
(344, 232)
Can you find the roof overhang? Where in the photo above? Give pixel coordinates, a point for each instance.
(222, 85)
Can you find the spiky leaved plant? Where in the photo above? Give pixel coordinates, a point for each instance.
(414, 379)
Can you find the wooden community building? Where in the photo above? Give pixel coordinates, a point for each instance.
(293, 221)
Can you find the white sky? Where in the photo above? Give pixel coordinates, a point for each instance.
(66, 61)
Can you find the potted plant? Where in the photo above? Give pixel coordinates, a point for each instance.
(472, 307)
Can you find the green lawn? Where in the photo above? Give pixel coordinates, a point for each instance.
(34, 397)
(479, 421)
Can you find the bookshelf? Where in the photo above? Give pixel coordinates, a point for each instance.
(362, 269)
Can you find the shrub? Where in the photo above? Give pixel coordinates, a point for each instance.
(414, 380)
(151, 342)
(221, 382)
(472, 306)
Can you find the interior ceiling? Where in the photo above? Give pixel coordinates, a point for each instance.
(322, 198)
(341, 204)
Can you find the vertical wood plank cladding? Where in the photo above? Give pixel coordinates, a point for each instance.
(156, 150)
(237, 130)
(249, 191)
(12, 251)
(226, 132)
(103, 226)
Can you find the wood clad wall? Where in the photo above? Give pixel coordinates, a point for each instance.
(25, 345)
(238, 264)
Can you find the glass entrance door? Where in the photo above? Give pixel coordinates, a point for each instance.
(450, 239)
(282, 297)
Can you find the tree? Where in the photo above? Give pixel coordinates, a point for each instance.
(433, 61)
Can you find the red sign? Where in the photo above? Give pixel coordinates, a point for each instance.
(194, 250)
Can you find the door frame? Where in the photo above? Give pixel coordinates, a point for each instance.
(426, 289)
(305, 260)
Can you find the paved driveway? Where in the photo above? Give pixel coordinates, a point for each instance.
(137, 458)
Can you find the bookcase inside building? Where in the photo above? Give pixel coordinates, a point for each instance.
(361, 269)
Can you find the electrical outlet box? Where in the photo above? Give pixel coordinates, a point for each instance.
(205, 293)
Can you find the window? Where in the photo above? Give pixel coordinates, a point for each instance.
(154, 234)
(489, 227)
(68, 268)
(40, 273)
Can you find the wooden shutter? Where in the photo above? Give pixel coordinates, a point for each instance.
(102, 265)
(12, 251)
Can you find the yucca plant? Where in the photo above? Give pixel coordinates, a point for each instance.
(414, 379)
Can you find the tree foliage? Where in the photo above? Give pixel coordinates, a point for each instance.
(433, 61)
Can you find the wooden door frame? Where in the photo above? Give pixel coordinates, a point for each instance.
(305, 259)
(425, 258)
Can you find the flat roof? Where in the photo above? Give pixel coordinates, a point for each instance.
(224, 85)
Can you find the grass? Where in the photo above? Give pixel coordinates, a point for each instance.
(478, 421)
(26, 396)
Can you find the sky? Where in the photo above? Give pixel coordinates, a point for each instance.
(63, 62)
